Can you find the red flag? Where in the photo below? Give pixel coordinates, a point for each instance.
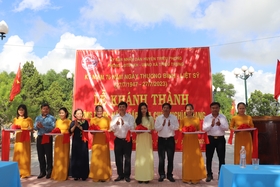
(232, 110)
(277, 81)
(16, 85)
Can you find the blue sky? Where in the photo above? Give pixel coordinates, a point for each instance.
(238, 32)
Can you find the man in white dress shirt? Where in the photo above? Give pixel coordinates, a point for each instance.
(166, 125)
(120, 125)
(215, 125)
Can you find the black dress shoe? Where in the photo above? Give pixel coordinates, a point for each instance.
(209, 178)
(84, 179)
(171, 179)
(41, 175)
(127, 179)
(76, 179)
(118, 179)
(161, 178)
(146, 182)
(48, 175)
(140, 182)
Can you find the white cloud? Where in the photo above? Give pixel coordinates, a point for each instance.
(32, 4)
(235, 18)
(138, 13)
(232, 18)
(61, 57)
(15, 51)
(227, 21)
(261, 81)
(41, 29)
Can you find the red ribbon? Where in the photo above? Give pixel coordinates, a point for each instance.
(255, 153)
(45, 139)
(66, 138)
(25, 136)
(243, 126)
(5, 145)
(206, 140)
(84, 136)
(96, 127)
(128, 136)
(192, 128)
(141, 127)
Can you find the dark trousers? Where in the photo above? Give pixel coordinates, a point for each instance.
(122, 150)
(218, 143)
(166, 145)
(45, 155)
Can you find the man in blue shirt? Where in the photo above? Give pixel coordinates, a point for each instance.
(44, 123)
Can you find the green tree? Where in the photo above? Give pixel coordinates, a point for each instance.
(261, 104)
(54, 96)
(225, 95)
(32, 90)
(6, 81)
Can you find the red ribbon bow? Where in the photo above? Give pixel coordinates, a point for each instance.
(14, 126)
(190, 128)
(56, 130)
(244, 126)
(141, 127)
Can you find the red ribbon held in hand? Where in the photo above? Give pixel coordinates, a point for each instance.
(243, 126)
(96, 127)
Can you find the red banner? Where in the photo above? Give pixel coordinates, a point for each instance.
(155, 76)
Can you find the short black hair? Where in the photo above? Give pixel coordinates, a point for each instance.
(45, 104)
(241, 103)
(215, 103)
(166, 104)
(122, 103)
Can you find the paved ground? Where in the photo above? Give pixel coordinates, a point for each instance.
(34, 182)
